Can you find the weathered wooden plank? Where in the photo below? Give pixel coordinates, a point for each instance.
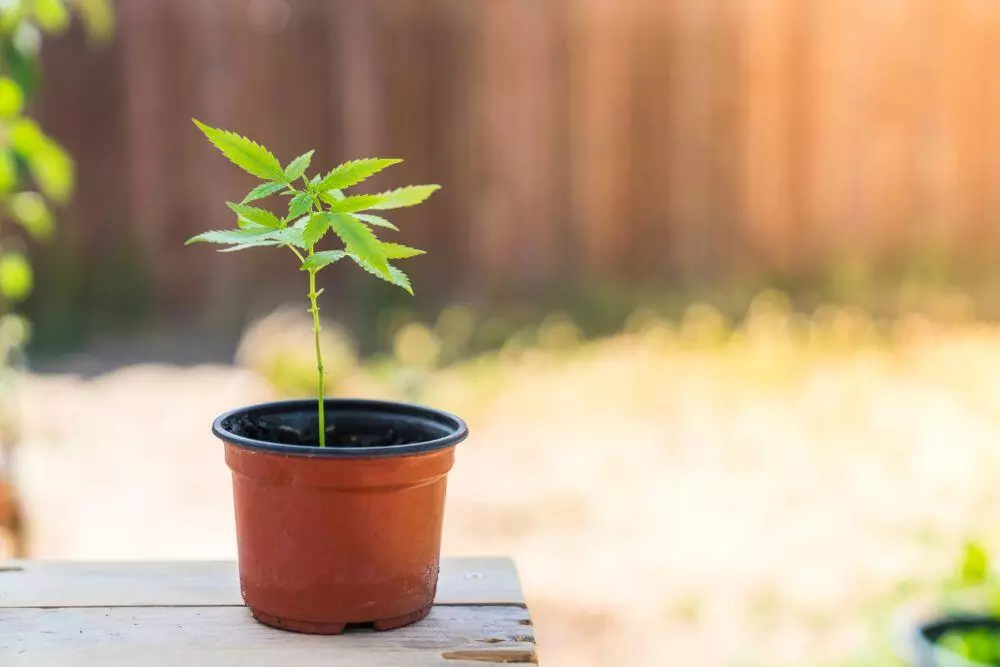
(473, 581)
(211, 636)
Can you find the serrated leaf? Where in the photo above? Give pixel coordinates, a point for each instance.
(299, 205)
(400, 279)
(291, 236)
(399, 251)
(354, 171)
(396, 277)
(263, 190)
(249, 216)
(228, 236)
(279, 237)
(316, 227)
(258, 243)
(241, 239)
(353, 203)
(298, 166)
(246, 154)
(318, 260)
(376, 220)
(409, 195)
(361, 242)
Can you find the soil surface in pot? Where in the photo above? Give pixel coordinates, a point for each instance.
(341, 430)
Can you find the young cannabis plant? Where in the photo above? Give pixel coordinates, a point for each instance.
(316, 206)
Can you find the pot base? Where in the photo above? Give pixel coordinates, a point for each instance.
(311, 628)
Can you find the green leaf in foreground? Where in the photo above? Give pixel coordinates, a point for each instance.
(263, 190)
(242, 239)
(50, 166)
(298, 166)
(316, 228)
(318, 260)
(410, 195)
(353, 203)
(31, 212)
(11, 98)
(52, 15)
(16, 279)
(299, 205)
(399, 251)
(376, 220)
(396, 277)
(248, 216)
(227, 236)
(355, 171)
(246, 154)
(361, 242)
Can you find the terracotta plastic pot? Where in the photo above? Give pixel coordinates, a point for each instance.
(341, 534)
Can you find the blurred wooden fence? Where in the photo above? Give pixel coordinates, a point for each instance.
(635, 140)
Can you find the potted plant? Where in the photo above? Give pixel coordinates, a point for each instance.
(339, 502)
(965, 630)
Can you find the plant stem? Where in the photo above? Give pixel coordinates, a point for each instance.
(319, 357)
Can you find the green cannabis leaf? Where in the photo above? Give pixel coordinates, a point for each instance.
(263, 190)
(399, 251)
(361, 242)
(297, 166)
(249, 216)
(353, 172)
(299, 205)
(316, 227)
(317, 206)
(351, 203)
(411, 195)
(245, 154)
(323, 258)
(378, 221)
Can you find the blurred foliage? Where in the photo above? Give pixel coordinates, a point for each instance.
(35, 171)
(411, 350)
(974, 587)
(280, 348)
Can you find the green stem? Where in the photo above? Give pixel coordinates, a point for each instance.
(319, 357)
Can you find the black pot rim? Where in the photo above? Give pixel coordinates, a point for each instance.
(926, 633)
(459, 430)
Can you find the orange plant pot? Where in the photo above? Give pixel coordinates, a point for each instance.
(344, 534)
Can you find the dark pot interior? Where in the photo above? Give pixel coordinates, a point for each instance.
(354, 427)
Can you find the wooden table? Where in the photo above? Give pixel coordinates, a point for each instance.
(189, 614)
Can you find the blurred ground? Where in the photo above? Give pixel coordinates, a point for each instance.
(695, 495)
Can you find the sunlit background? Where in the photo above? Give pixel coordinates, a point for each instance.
(714, 282)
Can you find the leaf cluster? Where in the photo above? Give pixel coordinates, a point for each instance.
(318, 207)
(35, 171)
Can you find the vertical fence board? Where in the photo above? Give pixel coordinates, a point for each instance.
(631, 140)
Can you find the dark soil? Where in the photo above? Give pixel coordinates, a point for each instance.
(345, 433)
